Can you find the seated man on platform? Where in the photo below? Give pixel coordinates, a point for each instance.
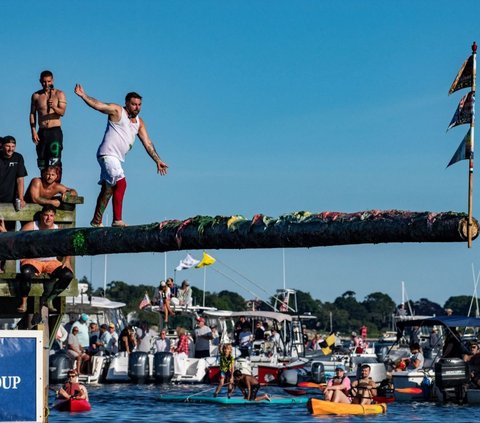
(46, 190)
(60, 272)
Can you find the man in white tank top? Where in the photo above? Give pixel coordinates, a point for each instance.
(122, 127)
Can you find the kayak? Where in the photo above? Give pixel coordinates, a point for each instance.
(317, 407)
(230, 401)
(73, 405)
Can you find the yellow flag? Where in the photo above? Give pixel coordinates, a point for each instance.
(206, 261)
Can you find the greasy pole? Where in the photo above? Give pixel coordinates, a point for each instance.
(470, 162)
(294, 230)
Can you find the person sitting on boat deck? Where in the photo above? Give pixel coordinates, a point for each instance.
(364, 389)
(46, 189)
(185, 294)
(227, 366)
(173, 291)
(82, 325)
(162, 344)
(112, 346)
(415, 361)
(127, 342)
(72, 388)
(75, 350)
(203, 335)
(338, 388)
(249, 386)
(165, 295)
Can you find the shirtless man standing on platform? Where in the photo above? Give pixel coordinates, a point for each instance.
(46, 190)
(48, 105)
(123, 126)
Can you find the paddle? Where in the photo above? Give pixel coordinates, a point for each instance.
(322, 386)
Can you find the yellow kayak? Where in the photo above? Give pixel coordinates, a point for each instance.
(318, 407)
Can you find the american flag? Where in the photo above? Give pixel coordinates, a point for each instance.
(145, 302)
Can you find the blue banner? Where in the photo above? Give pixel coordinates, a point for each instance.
(18, 379)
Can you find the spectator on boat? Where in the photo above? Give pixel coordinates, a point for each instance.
(82, 325)
(356, 343)
(60, 272)
(227, 366)
(363, 332)
(415, 361)
(239, 325)
(75, 349)
(181, 352)
(453, 346)
(245, 341)
(249, 386)
(338, 388)
(259, 334)
(12, 174)
(68, 326)
(172, 287)
(473, 361)
(165, 295)
(448, 311)
(127, 340)
(46, 189)
(215, 335)
(112, 346)
(72, 388)
(276, 340)
(185, 294)
(144, 339)
(93, 337)
(103, 339)
(162, 344)
(364, 389)
(203, 336)
(315, 344)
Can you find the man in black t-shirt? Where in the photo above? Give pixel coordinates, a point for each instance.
(12, 173)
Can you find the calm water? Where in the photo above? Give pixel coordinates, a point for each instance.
(138, 403)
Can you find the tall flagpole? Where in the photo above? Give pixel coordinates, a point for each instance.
(470, 163)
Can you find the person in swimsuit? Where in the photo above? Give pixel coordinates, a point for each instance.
(249, 386)
(364, 389)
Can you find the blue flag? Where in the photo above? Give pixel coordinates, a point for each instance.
(464, 150)
(465, 111)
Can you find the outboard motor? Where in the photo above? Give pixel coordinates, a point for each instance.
(59, 365)
(138, 368)
(451, 378)
(163, 367)
(318, 372)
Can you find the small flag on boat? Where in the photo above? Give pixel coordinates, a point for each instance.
(464, 150)
(465, 111)
(464, 77)
(145, 302)
(187, 263)
(206, 261)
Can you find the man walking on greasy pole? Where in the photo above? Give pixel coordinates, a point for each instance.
(122, 127)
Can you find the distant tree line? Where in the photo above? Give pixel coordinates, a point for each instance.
(345, 314)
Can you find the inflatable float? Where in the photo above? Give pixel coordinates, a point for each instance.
(319, 407)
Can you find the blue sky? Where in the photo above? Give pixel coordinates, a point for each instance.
(261, 107)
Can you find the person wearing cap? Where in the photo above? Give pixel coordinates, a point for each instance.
(60, 272)
(47, 107)
(338, 387)
(203, 335)
(185, 294)
(82, 325)
(112, 346)
(12, 185)
(72, 388)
